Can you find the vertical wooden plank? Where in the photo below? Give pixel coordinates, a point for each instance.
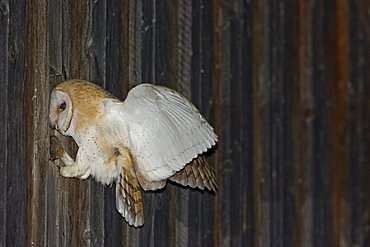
(228, 180)
(261, 123)
(115, 51)
(195, 221)
(279, 172)
(76, 30)
(134, 57)
(358, 122)
(303, 157)
(300, 110)
(16, 183)
(36, 101)
(339, 161)
(183, 48)
(245, 73)
(59, 197)
(163, 43)
(217, 62)
(364, 62)
(365, 142)
(323, 76)
(55, 218)
(235, 110)
(96, 41)
(55, 30)
(148, 29)
(4, 64)
(238, 158)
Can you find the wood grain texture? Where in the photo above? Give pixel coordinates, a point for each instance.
(4, 53)
(261, 62)
(58, 220)
(201, 209)
(181, 74)
(36, 106)
(284, 83)
(323, 77)
(358, 121)
(298, 74)
(217, 95)
(340, 104)
(15, 150)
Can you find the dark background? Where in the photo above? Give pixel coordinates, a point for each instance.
(285, 83)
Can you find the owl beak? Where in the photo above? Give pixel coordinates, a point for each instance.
(53, 120)
(54, 126)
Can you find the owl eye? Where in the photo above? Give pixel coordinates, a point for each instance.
(62, 106)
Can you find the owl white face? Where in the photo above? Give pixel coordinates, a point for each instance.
(60, 112)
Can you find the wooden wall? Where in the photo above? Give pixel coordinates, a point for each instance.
(285, 83)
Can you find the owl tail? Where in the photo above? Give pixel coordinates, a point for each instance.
(128, 198)
(197, 174)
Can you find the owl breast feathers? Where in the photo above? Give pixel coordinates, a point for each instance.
(154, 135)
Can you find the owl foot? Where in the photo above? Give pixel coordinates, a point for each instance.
(56, 149)
(69, 171)
(74, 172)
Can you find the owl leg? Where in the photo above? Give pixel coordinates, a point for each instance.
(67, 160)
(72, 168)
(75, 171)
(70, 171)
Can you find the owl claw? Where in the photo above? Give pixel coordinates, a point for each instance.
(56, 149)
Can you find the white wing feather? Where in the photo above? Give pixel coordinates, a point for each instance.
(161, 128)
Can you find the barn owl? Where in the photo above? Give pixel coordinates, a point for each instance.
(153, 135)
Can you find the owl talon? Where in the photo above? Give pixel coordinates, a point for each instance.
(56, 149)
(69, 171)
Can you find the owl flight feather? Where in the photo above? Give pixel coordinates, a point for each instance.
(153, 135)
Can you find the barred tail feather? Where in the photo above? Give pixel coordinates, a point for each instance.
(197, 174)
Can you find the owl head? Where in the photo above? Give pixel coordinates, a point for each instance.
(61, 111)
(75, 105)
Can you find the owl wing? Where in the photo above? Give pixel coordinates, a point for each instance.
(162, 129)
